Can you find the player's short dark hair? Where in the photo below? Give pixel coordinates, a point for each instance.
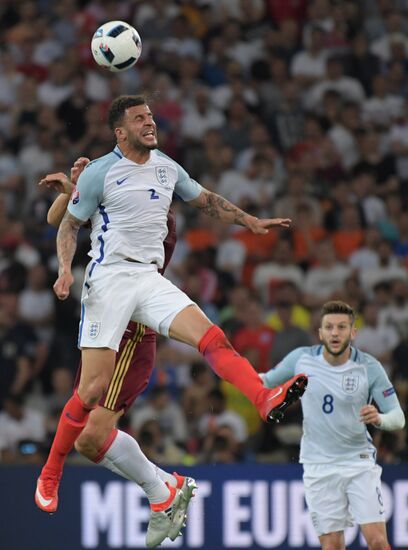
(118, 107)
(337, 306)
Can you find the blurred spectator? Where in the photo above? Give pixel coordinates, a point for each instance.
(362, 63)
(221, 446)
(306, 234)
(288, 294)
(349, 235)
(349, 88)
(395, 314)
(343, 134)
(289, 336)
(158, 447)
(309, 65)
(269, 275)
(388, 268)
(36, 304)
(20, 356)
(394, 32)
(372, 207)
(401, 244)
(373, 159)
(217, 415)
(199, 116)
(326, 277)
(255, 337)
(297, 192)
(382, 107)
(167, 413)
(366, 257)
(18, 424)
(287, 120)
(398, 137)
(376, 338)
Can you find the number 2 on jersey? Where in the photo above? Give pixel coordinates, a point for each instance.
(153, 194)
(328, 406)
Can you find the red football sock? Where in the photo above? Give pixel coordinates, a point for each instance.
(229, 365)
(72, 421)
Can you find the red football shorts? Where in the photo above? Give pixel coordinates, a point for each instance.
(134, 364)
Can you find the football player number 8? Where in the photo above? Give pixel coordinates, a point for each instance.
(328, 403)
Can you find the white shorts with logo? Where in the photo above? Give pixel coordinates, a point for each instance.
(114, 294)
(337, 495)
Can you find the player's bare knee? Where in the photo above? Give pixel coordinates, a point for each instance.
(92, 392)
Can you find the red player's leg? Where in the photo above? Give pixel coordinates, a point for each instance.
(96, 373)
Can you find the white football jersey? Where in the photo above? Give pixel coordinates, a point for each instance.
(332, 429)
(128, 204)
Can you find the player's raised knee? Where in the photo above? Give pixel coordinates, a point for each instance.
(91, 391)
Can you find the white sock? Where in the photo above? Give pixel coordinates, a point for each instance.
(125, 458)
(165, 476)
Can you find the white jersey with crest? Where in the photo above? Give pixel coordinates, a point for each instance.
(128, 204)
(332, 429)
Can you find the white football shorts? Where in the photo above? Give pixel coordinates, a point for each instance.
(337, 495)
(116, 293)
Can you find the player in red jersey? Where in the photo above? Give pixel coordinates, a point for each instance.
(100, 441)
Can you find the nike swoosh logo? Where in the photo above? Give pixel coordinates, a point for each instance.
(43, 501)
(68, 415)
(276, 394)
(119, 182)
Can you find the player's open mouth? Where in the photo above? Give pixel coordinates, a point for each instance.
(149, 134)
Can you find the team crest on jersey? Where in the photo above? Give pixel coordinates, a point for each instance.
(94, 329)
(162, 176)
(350, 383)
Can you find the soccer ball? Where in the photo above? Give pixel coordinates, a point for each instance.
(116, 46)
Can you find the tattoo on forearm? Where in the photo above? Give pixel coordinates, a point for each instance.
(219, 208)
(67, 240)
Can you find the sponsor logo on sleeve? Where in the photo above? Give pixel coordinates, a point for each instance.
(75, 196)
(388, 392)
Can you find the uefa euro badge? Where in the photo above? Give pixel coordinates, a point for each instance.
(162, 176)
(350, 383)
(94, 329)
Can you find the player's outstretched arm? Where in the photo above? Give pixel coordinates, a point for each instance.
(66, 246)
(60, 182)
(219, 208)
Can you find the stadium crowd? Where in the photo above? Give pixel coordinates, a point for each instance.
(288, 109)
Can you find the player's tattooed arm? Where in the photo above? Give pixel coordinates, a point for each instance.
(67, 241)
(66, 246)
(221, 209)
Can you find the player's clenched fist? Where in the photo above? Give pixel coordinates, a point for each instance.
(62, 285)
(370, 415)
